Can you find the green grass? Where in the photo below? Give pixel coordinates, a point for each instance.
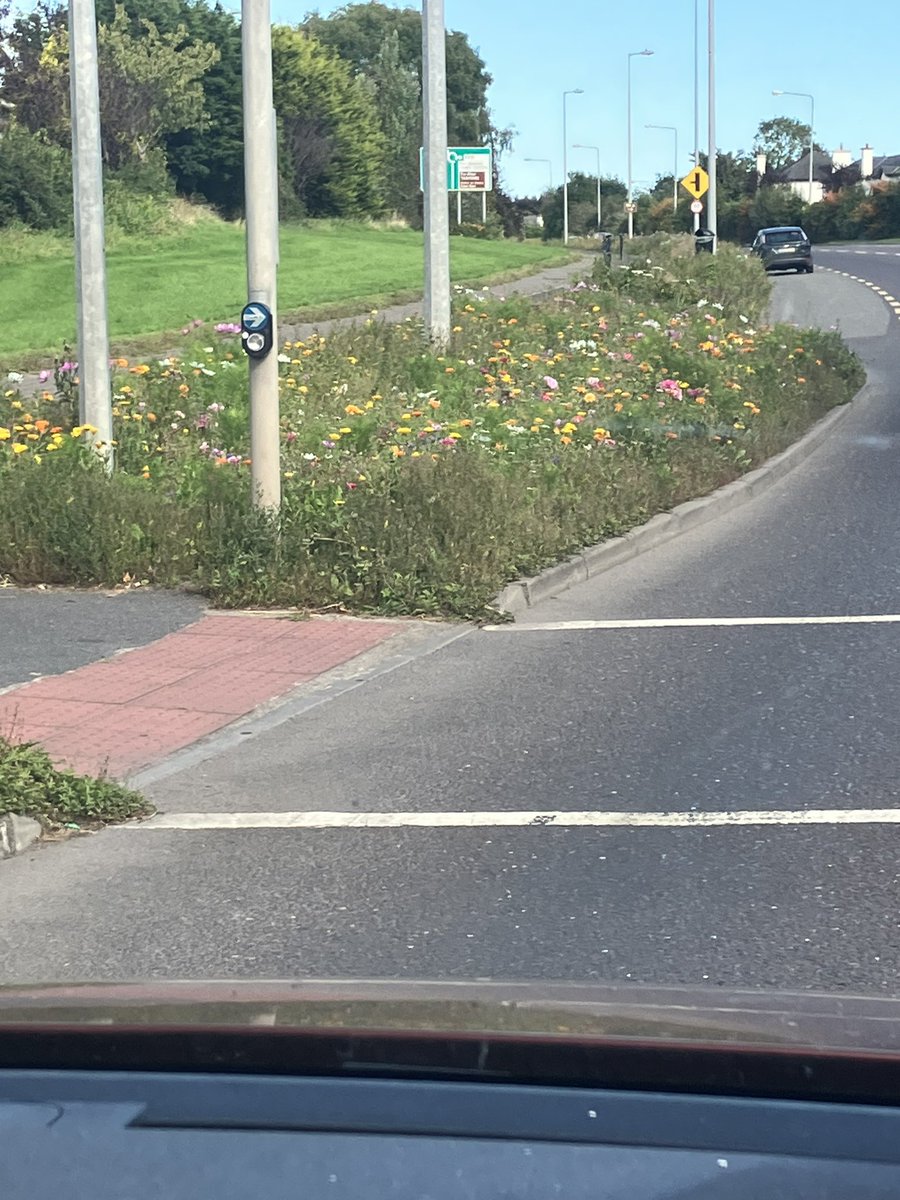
(31, 786)
(158, 285)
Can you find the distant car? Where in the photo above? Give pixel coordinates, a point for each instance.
(783, 247)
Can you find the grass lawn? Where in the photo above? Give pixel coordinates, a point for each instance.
(158, 286)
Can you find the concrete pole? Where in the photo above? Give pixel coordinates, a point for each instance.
(94, 398)
(261, 203)
(812, 144)
(565, 174)
(712, 209)
(437, 221)
(675, 176)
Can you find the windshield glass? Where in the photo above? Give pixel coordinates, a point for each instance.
(440, 541)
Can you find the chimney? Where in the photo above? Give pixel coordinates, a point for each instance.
(867, 162)
(841, 158)
(761, 161)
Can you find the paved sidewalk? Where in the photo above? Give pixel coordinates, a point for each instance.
(126, 712)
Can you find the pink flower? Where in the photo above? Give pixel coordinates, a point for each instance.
(592, 381)
(290, 436)
(669, 387)
(628, 357)
(551, 383)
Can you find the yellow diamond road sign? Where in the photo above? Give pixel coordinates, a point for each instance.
(696, 182)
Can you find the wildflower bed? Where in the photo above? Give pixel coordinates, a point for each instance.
(414, 482)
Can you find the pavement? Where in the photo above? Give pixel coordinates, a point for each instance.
(685, 770)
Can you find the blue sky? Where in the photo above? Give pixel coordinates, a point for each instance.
(844, 55)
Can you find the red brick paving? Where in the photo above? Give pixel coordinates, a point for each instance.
(129, 711)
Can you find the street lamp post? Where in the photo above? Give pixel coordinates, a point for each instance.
(812, 122)
(549, 170)
(633, 54)
(572, 92)
(580, 146)
(673, 130)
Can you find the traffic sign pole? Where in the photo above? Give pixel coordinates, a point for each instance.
(261, 192)
(437, 216)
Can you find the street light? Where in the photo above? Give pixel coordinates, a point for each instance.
(812, 121)
(580, 146)
(671, 129)
(549, 170)
(572, 92)
(633, 54)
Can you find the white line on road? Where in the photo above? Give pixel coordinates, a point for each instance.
(487, 820)
(691, 623)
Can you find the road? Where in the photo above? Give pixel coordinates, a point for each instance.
(749, 720)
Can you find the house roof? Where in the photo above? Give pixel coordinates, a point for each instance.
(887, 165)
(798, 172)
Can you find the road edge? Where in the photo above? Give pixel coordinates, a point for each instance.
(521, 594)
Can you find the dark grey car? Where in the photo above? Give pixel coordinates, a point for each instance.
(784, 247)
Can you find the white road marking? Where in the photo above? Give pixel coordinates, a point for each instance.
(690, 623)
(486, 820)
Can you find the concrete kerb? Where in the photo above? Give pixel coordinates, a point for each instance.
(522, 594)
(17, 834)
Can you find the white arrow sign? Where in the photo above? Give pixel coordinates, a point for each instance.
(255, 317)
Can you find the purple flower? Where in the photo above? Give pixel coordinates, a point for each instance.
(328, 444)
(43, 377)
(202, 421)
(228, 327)
(551, 383)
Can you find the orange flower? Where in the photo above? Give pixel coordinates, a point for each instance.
(42, 426)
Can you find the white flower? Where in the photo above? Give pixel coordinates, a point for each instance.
(651, 324)
(702, 303)
(15, 377)
(284, 358)
(742, 318)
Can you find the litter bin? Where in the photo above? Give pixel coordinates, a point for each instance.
(704, 241)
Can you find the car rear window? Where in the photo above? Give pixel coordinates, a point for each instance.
(785, 235)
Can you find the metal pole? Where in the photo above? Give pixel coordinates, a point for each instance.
(261, 191)
(599, 197)
(437, 222)
(812, 144)
(696, 96)
(712, 209)
(484, 208)
(459, 208)
(94, 398)
(565, 175)
(675, 177)
(630, 188)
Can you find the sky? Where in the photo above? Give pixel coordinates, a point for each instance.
(536, 49)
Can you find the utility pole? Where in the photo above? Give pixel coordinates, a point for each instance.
(712, 212)
(259, 319)
(94, 398)
(696, 97)
(437, 221)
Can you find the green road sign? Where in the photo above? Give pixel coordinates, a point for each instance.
(469, 169)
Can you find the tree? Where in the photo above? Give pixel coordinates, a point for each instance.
(333, 146)
(783, 140)
(204, 163)
(397, 99)
(583, 205)
(359, 33)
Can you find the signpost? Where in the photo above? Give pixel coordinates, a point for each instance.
(469, 169)
(696, 182)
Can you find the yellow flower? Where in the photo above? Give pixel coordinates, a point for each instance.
(5, 435)
(18, 448)
(566, 441)
(353, 361)
(183, 389)
(404, 429)
(141, 369)
(346, 429)
(352, 410)
(37, 458)
(51, 447)
(397, 451)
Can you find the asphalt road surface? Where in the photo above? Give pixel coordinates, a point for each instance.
(752, 771)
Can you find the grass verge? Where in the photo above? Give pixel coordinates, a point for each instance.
(31, 786)
(419, 483)
(158, 286)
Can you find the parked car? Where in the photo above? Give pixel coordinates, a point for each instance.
(783, 247)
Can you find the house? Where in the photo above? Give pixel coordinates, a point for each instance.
(834, 171)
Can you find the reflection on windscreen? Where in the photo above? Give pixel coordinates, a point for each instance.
(784, 235)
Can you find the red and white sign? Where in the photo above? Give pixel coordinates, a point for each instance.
(696, 206)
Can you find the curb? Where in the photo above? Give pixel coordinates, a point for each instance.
(522, 594)
(17, 834)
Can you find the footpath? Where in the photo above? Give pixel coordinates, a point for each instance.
(544, 283)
